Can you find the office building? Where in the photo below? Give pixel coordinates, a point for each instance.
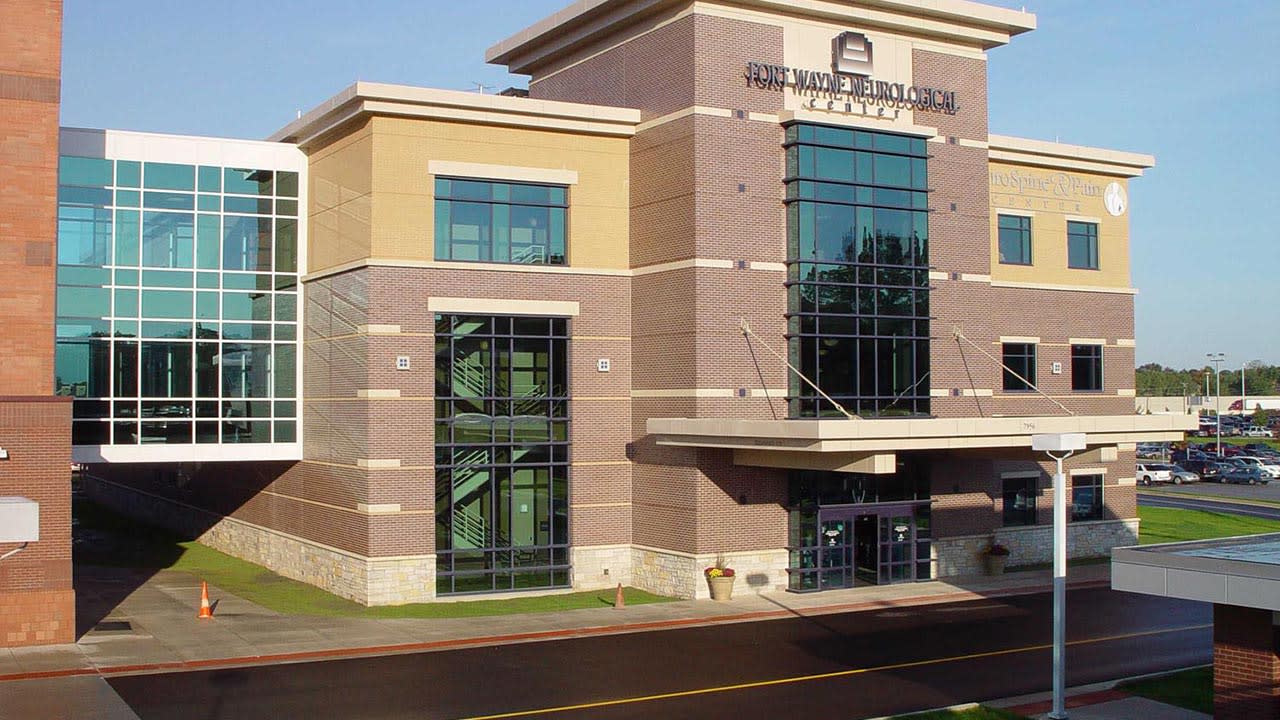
(735, 281)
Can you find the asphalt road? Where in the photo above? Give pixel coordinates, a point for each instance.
(841, 666)
(1189, 501)
(1270, 491)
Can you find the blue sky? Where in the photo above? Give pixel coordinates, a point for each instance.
(1193, 82)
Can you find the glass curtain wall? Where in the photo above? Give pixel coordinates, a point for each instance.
(177, 302)
(858, 271)
(502, 454)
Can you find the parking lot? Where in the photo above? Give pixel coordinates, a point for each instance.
(1269, 492)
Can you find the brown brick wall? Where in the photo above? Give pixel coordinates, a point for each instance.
(968, 78)
(1246, 663)
(650, 72)
(967, 487)
(723, 49)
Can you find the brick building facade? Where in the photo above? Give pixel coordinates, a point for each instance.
(37, 603)
(591, 335)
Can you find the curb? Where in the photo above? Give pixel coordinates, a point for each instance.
(538, 636)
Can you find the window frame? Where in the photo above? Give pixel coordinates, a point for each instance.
(1010, 383)
(1093, 480)
(1096, 373)
(1087, 232)
(501, 208)
(1024, 232)
(1029, 486)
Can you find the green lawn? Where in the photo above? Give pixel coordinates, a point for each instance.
(119, 542)
(975, 713)
(1161, 525)
(1190, 689)
(1273, 444)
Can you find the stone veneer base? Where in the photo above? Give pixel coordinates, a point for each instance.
(678, 574)
(1031, 545)
(369, 581)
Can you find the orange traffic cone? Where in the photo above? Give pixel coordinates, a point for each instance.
(618, 600)
(206, 612)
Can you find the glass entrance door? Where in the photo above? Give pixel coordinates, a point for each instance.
(836, 553)
(865, 545)
(897, 546)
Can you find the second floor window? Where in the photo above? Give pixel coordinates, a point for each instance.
(1019, 366)
(1014, 240)
(1082, 245)
(500, 222)
(1086, 367)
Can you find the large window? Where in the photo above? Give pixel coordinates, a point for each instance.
(500, 222)
(858, 271)
(176, 319)
(1086, 367)
(1019, 495)
(1086, 497)
(1082, 245)
(1019, 367)
(1014, 239)
(502, 454)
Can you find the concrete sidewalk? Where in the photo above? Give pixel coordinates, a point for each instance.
(154, 629)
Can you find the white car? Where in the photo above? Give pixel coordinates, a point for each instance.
(1265, 466)
(1148, 474)
(1256, 431)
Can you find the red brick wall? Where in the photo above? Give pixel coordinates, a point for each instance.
(1246, 664)
(30, 66)
(37, 603)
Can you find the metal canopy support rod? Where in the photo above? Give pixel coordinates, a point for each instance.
(746, 331)
(960, 336)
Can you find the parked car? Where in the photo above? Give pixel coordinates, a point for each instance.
(1208, 470)
(1245, 475)
(1256, 431)
(1148, 474)
(1270, 468)
(1180, 474)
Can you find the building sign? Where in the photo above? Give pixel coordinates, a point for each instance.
(1024, 189)
(850, 87)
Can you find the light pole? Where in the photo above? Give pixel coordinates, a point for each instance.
(1066, 444)
(1216, 359)
(1244, 400)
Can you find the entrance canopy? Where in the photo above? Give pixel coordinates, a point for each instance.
(870, 446)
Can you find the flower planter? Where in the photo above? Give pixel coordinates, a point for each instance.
(721, 588)
(995, 564)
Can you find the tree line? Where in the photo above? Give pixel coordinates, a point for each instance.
(1154, 379)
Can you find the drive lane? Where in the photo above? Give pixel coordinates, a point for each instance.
(886, 661)
(1184, 502)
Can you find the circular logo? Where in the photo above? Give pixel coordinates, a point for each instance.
(1115, 200)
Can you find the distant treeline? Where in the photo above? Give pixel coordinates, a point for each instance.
(1158, 380)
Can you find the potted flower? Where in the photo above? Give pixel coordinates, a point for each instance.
(720, 580)
(995, 557)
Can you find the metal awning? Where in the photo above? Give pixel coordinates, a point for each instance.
(870, 445)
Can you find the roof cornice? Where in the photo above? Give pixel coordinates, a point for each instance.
(365, 99)
(586, 21)
(1003, 148)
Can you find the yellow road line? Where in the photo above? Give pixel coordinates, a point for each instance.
(825, 676)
